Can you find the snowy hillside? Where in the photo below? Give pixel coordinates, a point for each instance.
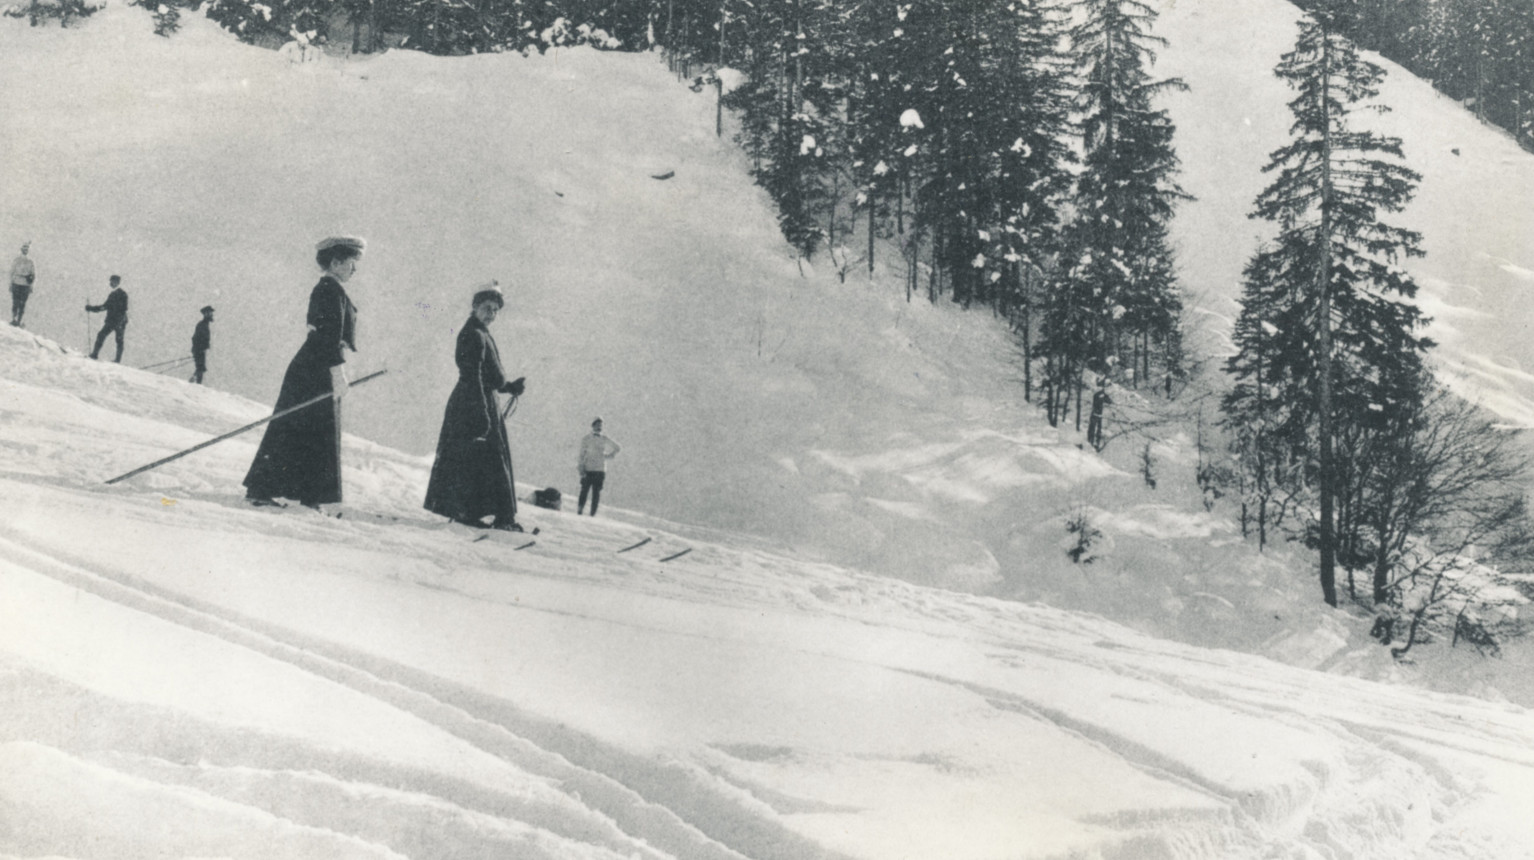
(1472, 206)
(259, 683)
(751, 394)
(669, 307)
(182, 675)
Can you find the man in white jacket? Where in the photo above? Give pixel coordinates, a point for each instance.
(596, 450)
(23, 273)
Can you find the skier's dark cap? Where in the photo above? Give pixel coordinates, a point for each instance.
(115, 279)
(355, 243)
(207, 309)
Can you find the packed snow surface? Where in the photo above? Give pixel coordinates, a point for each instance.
(182, 675)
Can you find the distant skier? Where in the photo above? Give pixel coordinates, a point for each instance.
(1100, 402)
(202, 341)
(471, 477)
(116, 307)
(300, 454)
(23, 273)
(596, 450)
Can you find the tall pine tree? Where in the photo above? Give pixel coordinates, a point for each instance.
(1328, 345)
(1117, 296)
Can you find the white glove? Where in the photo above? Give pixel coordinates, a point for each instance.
(338, 381)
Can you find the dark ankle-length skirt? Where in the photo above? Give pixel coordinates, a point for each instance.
(300, 455)
(471, 477)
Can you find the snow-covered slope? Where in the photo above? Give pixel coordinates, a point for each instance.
(203, 171)
(258, 683)
(182, 675)
(1472, 205)
(750, 394)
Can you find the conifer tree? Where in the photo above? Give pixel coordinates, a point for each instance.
(1029, 126)
(779, 129)
(877, 100)
(1119, 293)
(1329, 347)
(987, 81)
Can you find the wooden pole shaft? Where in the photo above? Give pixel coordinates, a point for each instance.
(232, 433)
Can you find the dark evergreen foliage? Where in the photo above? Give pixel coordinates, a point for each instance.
(1117, 302)
(1477, 51)
(167, 17)
(63, 11)
(274, 22)
(1329, 348)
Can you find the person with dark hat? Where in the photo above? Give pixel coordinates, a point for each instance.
(116, 307)
(472, 477)
(300, 454)
(591, 463)
(202, 341)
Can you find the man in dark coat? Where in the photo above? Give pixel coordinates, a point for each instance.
(202, 341)
(300, 455)
(1101, 400)
(116, 307)
(471, 477)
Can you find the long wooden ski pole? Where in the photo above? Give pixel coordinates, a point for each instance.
(167, 361)
(232, 433)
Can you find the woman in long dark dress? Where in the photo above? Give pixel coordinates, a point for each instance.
(300, 455)
(471, 478)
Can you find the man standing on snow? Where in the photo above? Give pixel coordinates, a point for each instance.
(202, 341)
(1100, 402)
(116, 307)
(23, 273)
(596, 450)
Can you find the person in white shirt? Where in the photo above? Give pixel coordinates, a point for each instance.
(596, 450)
(23, 273)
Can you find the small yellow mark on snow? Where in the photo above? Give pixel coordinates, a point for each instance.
(167, 502)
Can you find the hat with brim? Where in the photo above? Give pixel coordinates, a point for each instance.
(353, 242)
(207, 309)
(488, 292)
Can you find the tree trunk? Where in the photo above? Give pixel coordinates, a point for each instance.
(939, 248)
(1324, 344)
(1024, 279)
(1079, 381)
(836, 192)
(872, 211)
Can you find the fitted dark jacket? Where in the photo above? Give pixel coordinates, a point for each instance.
(300, 455)
(116, 307)
(472, 477)
(202, 337)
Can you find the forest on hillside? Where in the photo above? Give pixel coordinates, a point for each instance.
(1012, 155)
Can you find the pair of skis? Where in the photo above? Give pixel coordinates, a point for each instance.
(515, 548)
(647, 540)
(635, 546)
